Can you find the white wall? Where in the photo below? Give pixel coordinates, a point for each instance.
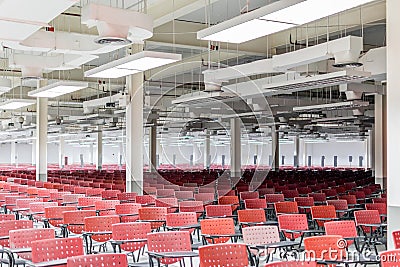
(111, 153)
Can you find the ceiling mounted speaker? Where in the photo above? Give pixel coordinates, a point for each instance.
(117, 26)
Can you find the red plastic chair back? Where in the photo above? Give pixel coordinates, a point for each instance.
(367, 217)
(229, 200)
(131, 231)
(206, 198)
(381, 207)
(286, 207)
(351, 199)
(292, 222)
(110, 194)
(181, 219)
(39, 209)
(170, 203)
(342, 228)
(106, 207)
(323, 212)
(88, 202)
(104, 260)
(396, 239)
(318, 197)
(126, 197)
(128, 208)
(55, 249)
(218, 210)
(256, 203)
(252, 216)
(146, 199)
(55, 214)
(390, 258)
(184, 195)
(75, 220)
(274, 198)
(234, 255)
(7, 226)
(22, 239)
(317, 246)
(219, 226)
(101, 224)
(7, 217)
(169, 242)
(192, 206)
(249, 195)
(153, 214)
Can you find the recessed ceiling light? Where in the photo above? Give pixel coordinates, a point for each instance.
(58, 89)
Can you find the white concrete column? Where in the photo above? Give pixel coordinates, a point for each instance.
(91, 159)
(371, 150)
(61, 152)
(296, 154)
(121, 154)
(134, 135)
(33, 152)
(380, 139)
(303, 154)
(275, 147)
(236, 148)
(153, 149)
(13, 153)
(41, 135)
(207, 150)
(393, 122)
(99, 148)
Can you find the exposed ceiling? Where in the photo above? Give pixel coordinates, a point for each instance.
(176, 24)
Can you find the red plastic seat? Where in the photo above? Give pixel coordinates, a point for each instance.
(131, 231)
(319, 198)
(380, 207)
(286, 207)
(206, 198)
(367, 217)
(126, 197)
(22, 239)
(184, 195)
(325, 213)
(346, 229)
(106, 207)
(229, 200)
(218, 211)
(317, 246)
(54, 215)
(156, 215)
(170, 203)
(87, 203)
(234, 255)
(7, 226)
(274, 198)
(146, 199)
(339, 204)
(256, 203)
(37, 209)
(75, 220)
(104, 260)
(293, 225)
(390, 258)
(251, 217)
(55, 249)
(192, 206)
(110, 194)
(169, 242)
(249, 195)
(215, 227)
(100, 224)
(174, 220)
(379, 200)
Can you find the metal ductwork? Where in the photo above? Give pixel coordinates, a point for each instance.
(117, 26)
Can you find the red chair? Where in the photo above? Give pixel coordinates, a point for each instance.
(256, 203)
(105, 207)
(249, 195)
(396, 239)
(104, 260)
(181, 221)
(128, 212)
(286, 208)
(369, 224)
(126, 197)
(251, 217)
(37, 209)
(379, 200)
(71, 199)
(184, 195)
(229, 200)
(290, 194)
(87, 203)
(7, 217)
(390, 258)
(161, 193)
(174, 241)
(74, 221)
(274, 198)
(99, 229)
(22, 239)
(145, 200)
(154, 215)
(7, 226)
(213, 211)
(322, 214)
(206, 198)
(212, 228)
(295, 225)
(304, 203)
(192, 206)
(339, 204)
(317, 246)
(234, 255)
(54, 215)
(123, 232)
(351, 200)
(48, 250)
(346, 229)
(380, 207)
(319, 198)
(170, 203)
(110, 194)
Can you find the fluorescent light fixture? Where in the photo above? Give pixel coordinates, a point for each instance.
(58, 89)
(276, 17)
(16, 103)
(132, 64)
(333, 106)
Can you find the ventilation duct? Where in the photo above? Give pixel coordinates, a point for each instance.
(203, 98)
(117, 26)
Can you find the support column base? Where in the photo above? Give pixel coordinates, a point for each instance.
(41, 177)
(134, 187)
(382, 181)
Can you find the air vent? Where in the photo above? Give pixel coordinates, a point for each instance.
(112, 41)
